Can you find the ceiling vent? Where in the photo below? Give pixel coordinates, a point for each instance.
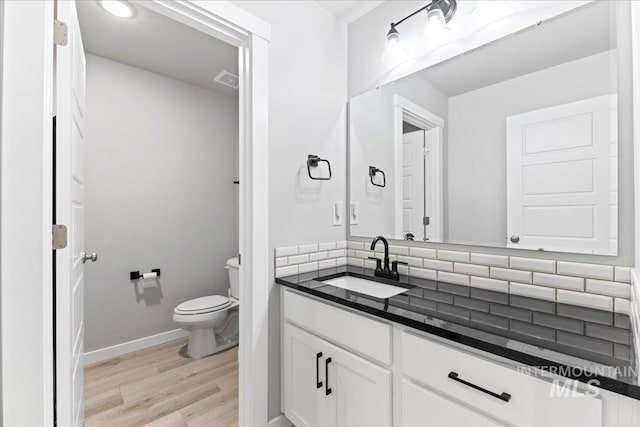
(228, 79)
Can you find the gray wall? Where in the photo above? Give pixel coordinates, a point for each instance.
(161, 156)
(307, 115)
(476, 142)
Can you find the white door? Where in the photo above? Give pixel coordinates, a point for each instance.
(305, 401)
(413, 189)
(360, 389)
(70, 209)
(559, 180)
(423, 408)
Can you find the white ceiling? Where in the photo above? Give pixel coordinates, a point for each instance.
(577, 34)
(156, 43)
(348, 10)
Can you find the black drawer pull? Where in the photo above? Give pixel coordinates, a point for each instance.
(327, 389)
(504, 396)
(318, 382)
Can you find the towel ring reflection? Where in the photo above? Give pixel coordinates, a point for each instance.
(373, 171)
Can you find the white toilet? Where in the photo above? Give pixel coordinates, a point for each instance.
(212, 321)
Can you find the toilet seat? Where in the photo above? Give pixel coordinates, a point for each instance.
(208, 304)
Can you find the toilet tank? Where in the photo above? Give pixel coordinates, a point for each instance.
(234, 281)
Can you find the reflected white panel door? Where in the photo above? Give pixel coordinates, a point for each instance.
(413, 189)
(70, 209)
(559, 180)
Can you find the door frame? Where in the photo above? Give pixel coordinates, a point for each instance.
(26, 198)
(430, 122)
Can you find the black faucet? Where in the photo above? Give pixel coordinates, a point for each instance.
(385, 271)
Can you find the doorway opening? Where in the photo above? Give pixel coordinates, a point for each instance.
(147, 178)
(418, 136)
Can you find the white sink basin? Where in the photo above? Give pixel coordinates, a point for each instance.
(366, 287)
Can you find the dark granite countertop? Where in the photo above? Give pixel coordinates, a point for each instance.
(580, 343)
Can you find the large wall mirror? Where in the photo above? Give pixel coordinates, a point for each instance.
(513, 144)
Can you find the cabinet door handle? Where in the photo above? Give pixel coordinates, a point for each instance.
(327, 389)
(318, 382)
(504, 396)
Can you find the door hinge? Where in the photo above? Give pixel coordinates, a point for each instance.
(60, 33)
(425, 220)
(59, 236)
(239, 259)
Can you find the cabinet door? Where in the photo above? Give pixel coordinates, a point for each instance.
(360, 389)
(424, 408)
(305, 403)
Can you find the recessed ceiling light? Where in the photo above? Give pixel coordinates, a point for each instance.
(119, 8)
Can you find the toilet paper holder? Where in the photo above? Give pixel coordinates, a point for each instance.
(135, 275)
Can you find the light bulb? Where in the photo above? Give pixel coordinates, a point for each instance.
(394, 51)
(437, 29)
(119, 8)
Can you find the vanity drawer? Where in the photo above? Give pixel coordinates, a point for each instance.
(366, 336)
(455, 373)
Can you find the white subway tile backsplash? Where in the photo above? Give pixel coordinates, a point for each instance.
(286, 271)
(356, 262)
(308, 267)
(614, 289)
(597, 286)
(532, 291)
(433, 264)
(337, 253)
(423, 252)
(563, 282)
(453, 256)
(326, 246)
(398, 250)
(423, 273)
(316, 256)
(593, 271)
(327, 263)
(510, 275)
(472, 269)
(364, 254)
(622, 274)
(599, 302)
(458, 279)
(298, 259)
(622, 306)
(414, 262)
(490, 260)
(286, 251)
(305, 249)
(490, 284)
(355, 245)
(532, 264)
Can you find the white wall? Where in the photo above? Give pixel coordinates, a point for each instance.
(371, 142)
(367, 71)
(307, 115)
(161, 158)
(476, 142)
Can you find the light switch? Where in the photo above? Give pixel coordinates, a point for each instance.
(354, 213)
(338, 213)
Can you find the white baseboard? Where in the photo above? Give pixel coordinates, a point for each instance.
(280, 421)
(135, 345)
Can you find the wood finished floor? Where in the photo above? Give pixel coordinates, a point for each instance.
(161, 386)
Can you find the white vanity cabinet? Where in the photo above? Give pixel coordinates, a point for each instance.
(328, 386)
(342, 368)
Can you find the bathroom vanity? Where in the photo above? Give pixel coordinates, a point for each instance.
(350, 358)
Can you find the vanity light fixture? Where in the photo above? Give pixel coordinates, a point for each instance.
(439, 13)
(119, 8)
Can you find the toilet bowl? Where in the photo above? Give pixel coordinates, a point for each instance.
(212, 321)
